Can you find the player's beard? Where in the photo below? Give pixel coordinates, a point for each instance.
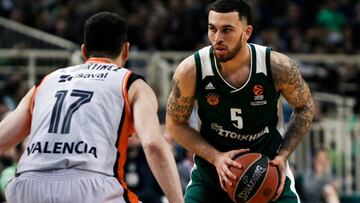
(232, 53)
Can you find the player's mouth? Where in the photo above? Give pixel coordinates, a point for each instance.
(220, 50)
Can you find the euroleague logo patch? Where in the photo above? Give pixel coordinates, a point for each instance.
(212, 99)
(258, 90)
(259, 99)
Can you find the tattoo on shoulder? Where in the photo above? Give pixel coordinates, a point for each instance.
(284, 69)
(179, 107)
(287, 77)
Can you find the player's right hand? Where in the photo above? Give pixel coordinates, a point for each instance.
(222, 163)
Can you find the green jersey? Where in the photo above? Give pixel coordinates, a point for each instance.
(244, 117)
(233, 118)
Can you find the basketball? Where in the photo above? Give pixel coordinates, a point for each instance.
(256, 182)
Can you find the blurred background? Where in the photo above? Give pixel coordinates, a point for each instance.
(323, 36)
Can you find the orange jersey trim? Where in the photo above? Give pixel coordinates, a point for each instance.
(37, 88)
(126, 101)
(127, 129)
(99, 60)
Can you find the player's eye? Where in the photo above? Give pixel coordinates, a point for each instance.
(212, 29)
(226, 30)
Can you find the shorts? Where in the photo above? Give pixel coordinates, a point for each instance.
(63, 186)
(202, 190)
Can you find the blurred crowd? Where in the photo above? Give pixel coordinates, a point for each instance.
(292, 26)
(296, 26)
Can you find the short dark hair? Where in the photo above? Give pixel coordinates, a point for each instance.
(226, 6)
(105, 34)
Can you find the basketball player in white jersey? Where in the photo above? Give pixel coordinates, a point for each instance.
(79, 119)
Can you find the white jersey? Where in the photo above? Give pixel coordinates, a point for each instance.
(80, 119)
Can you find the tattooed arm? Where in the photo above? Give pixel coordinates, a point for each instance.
(179, 108)
(288, 81)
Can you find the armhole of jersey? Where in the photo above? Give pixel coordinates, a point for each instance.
(253, 59)
(198, 73)
(125, 93)
(268, 68)
(129, 78)
(132, 78)
(37, 87)
(267, 62)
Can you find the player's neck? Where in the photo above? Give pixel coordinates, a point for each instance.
(241, 60)
(100, 59)
(237, 70)
(118, 61)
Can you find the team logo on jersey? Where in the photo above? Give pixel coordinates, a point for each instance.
(212, 99)
(258, 91)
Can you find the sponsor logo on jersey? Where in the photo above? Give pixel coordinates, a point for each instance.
(65, 78)
(209, 86)
(212, 99)
(241, 137)
(90, 76)
(80, 147)
(258, 91)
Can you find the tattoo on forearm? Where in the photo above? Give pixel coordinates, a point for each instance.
(299, 126)
(179, 107)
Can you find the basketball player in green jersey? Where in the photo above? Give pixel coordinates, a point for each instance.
(237, 86)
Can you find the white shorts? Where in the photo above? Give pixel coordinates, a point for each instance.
(63, 186)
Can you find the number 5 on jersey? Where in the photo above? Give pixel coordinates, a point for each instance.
(84, 97)
(236, 118)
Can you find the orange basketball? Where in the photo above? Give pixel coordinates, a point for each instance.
(256, 182)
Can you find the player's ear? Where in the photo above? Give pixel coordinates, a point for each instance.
(247, 32)
(84, 52)
(125, 51)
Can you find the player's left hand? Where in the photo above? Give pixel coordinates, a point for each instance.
(279, 161)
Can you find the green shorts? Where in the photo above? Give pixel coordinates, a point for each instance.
(203, 188)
